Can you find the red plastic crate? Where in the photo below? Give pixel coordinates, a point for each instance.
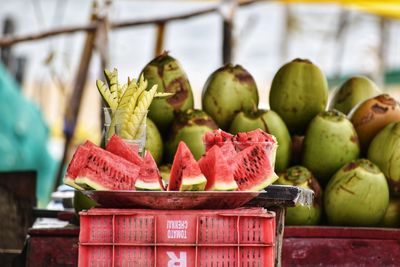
(185, 238)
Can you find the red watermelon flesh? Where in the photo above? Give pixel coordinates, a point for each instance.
(216, 169)
(229, 153)
(185, 171)
(149, 177)
(245, 139)
(78, 161)
(218, 137)
(119, 147)
(106, 171)
(258, 136)
(253, 169)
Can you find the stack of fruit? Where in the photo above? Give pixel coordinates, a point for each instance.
(345, 151)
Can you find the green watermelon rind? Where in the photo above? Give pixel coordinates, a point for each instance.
(89, 182)
(223, 186)
(268, 181)
(146, 186)
(71, 182)
(193, 183)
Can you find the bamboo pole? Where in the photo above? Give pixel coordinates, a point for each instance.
(382, 51)
(9, 41)
(228, 12)
(160, 37)
(72, 109)
(102, 46)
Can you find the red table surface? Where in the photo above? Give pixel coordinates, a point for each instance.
(302, 246)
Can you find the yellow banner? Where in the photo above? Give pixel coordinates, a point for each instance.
(388, 8)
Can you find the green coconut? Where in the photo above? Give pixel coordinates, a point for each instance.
(189, 126)
(351, 92)
(392, 214)
(229, 90)
(168, 74)
(270, 122)
(384, 151)
(299, 91)
(357, 195)
(302, 215)
(154, 142)
(329, 143)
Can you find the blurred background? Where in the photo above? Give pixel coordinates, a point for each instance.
(39, 74)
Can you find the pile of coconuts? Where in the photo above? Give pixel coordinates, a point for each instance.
(347, 150)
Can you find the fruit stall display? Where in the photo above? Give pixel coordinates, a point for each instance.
(228, 170)
(346, 150)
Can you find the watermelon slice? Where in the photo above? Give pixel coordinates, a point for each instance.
(119, 147)
(217, 171)
(149, 176)
(78, 161)
(101, 170)
(245, 139)
(185, 172)
(253, 170)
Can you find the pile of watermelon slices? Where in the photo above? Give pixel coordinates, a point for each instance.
(117, 167)
(242, 162)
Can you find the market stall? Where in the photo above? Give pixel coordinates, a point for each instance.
(305, 175)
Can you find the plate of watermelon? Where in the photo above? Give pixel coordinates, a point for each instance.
(232, 172)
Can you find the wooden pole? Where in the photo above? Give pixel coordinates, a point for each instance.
(227, 10)
(382, 52)
(227, 41)
(9, 41)
(160, 37)
(72, 109)
(102, 46)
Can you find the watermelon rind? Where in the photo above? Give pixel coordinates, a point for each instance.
(71, 182)
(194, 183)
(268, 181)
(223, 186)
(146, 186)
(88, 182)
